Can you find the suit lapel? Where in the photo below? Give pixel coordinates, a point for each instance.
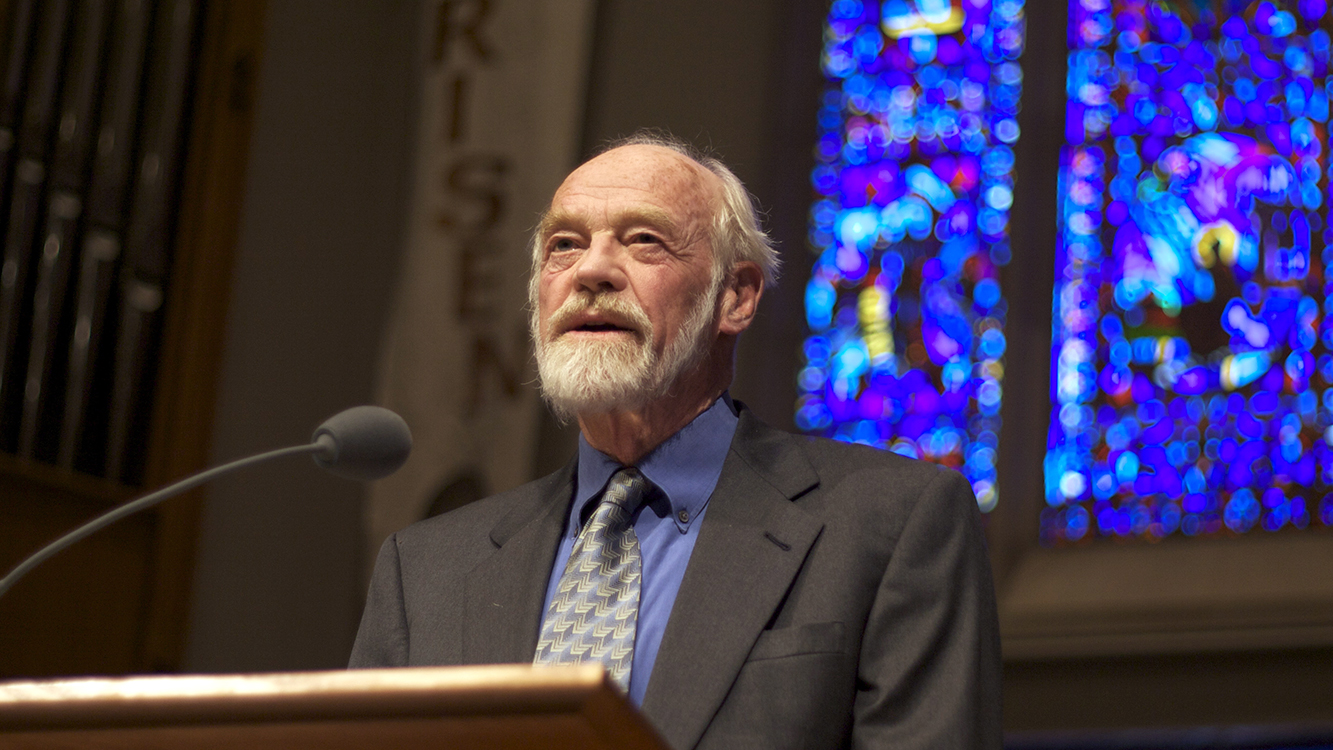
(505, 591)
(751, 546)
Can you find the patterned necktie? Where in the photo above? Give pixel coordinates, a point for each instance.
(593, 614)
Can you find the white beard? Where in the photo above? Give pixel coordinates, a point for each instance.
(594, 377)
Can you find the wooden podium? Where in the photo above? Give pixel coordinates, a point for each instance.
(511, 706)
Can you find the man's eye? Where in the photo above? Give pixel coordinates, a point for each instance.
(645, 238)
(561, 252)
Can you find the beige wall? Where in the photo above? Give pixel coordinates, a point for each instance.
(277, 579)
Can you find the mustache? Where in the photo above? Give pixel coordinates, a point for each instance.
(616, 309)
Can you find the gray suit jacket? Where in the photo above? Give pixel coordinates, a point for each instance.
(837, 596)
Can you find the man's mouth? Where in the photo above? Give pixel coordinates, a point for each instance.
(602, 319)
(601, 328)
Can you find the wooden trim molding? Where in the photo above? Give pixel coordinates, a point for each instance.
(192, 339)
(1178, 596)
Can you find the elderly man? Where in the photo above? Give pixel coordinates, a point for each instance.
(746, 587)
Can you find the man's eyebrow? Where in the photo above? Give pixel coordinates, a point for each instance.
(555, 219)
(552, 220)
(648, 215)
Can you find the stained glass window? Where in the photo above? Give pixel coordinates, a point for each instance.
(913, 188)
(1190, 357)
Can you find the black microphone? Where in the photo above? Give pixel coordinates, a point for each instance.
(364, 442)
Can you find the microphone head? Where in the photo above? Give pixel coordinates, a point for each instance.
(363, 442)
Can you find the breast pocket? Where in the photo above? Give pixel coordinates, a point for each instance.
(797, 640)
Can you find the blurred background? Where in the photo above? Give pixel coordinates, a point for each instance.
(227, 221)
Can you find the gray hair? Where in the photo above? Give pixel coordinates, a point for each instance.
(736, 235)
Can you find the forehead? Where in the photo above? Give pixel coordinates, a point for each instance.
(639, 179)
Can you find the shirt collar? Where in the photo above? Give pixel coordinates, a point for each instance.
(685, 467)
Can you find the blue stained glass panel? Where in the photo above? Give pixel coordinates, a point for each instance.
(1190, 391)
(909, 228)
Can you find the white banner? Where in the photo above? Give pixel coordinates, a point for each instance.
(501, 113)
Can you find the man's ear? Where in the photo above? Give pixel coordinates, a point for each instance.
(741, 291)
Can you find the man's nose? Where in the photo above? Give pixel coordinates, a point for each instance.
(602, 267)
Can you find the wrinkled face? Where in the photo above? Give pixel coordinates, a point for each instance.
(625, 289)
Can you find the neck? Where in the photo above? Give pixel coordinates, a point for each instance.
(628, 435)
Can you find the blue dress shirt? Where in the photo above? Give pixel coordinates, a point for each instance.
(685, 469)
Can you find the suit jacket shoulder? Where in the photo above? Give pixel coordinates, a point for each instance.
(509, 510)
(881, 489)
(442, 594)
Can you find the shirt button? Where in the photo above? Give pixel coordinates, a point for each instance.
(684, 516)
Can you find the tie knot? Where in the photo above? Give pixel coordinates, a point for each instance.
(626, 489)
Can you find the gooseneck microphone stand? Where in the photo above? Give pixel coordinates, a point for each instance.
(364, 442)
